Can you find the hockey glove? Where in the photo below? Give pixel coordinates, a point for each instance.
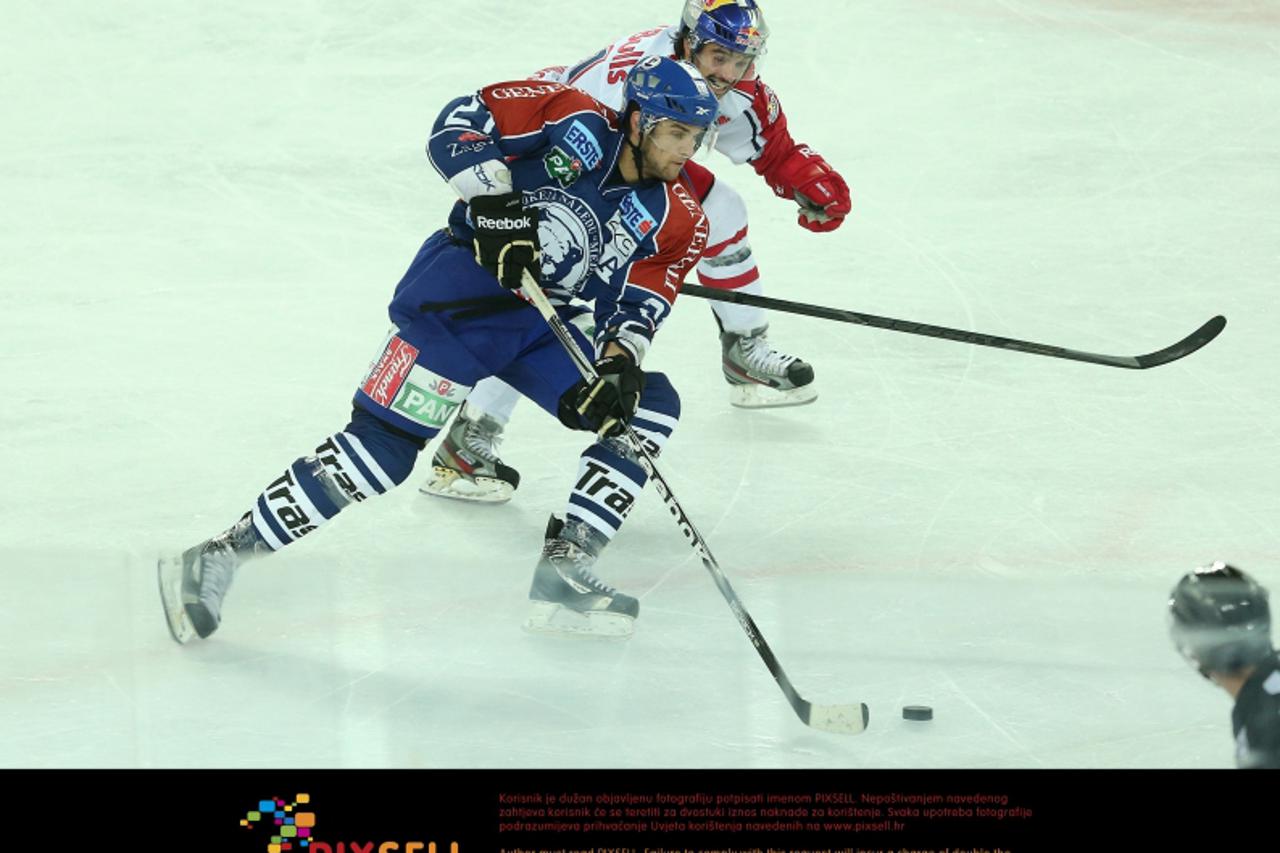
(822, 194)
(607, 404)
(506, 237)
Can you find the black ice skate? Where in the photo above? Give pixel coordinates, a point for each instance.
(567, 597)
(760, 376)
(193, 585)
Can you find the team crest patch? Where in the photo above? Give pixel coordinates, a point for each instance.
(569, 237)
(562, 167)
(775, 109)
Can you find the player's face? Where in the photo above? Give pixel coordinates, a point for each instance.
(722, 67)
(666, 148)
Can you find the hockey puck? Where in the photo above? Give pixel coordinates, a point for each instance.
(917, 712)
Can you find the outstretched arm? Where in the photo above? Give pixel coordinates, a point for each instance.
(795, 171)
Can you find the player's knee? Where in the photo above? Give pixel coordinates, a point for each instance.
(390, 448)
(660, 396)
(659, 410)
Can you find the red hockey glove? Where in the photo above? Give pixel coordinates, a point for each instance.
(822, 194)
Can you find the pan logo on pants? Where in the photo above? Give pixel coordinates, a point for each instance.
(427, 398)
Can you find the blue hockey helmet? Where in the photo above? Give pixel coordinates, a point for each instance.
(1219, 619)
(736, 25)
(662, 88)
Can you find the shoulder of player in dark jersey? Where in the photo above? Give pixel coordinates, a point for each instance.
(1258, 707)
(555, 100)
(673, 205)
(681, 235)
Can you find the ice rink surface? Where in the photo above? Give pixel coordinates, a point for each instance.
(206, 206)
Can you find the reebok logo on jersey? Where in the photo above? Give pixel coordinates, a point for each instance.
(583, 143)
(503, 223)
(638, 220)
(388, 372)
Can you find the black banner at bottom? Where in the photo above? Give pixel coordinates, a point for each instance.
(650, 811)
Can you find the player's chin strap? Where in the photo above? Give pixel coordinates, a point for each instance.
(638, 156)
(636, 153)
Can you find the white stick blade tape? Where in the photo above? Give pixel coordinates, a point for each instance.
(840, 719)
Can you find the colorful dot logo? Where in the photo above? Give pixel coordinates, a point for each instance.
(290, 827)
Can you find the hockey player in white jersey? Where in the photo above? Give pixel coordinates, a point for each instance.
(724, 39)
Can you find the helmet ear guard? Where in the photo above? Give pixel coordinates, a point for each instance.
(1220, 619)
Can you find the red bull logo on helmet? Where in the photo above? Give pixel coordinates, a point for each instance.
(749, 38)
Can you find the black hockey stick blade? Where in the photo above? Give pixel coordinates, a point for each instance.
(1182, 348)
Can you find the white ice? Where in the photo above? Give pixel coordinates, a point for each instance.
(205, 207)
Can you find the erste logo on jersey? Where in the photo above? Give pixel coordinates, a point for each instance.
(630, 224)
(636, 217)
(584, 143)
(569, 237)
(584, 154)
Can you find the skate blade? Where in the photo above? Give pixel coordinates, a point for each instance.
(447, 483)
(548, 618)
(169, 576)
(754, 396)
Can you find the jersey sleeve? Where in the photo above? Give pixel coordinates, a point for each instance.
(475, 136)
(644, 289)
(757, 132)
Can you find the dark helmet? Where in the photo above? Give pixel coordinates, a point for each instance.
(1219, 619)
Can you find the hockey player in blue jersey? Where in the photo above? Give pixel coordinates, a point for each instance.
(593, 205)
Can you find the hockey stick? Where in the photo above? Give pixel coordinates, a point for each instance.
(1184, 347)
(841, 719)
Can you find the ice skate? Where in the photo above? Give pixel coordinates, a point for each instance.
(760, 376)
(193, 584)
(466, 465)
(566, 597)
